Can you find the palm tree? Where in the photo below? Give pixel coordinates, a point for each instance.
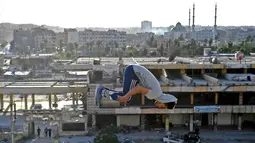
(205, 42)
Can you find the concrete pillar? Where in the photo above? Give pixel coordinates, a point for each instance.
(239, 122)
(143, 100)
(25, 100)
(167, 123)
(118, 120)
(142, 117)
(191, 123)
(55, 100)
(86, 122)
(33, 99)
(192, 98)
(73, 98)
(77, 98)
(182, 71)
(241, 98)
(50, 103)
(245, 70)
(216, 98)
(224, 71)
(215, 121)
(26, 128)
(94, 122)
(1, 101)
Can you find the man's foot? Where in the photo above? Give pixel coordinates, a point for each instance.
(99, 93)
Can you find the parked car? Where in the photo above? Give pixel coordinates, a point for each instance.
(192, 137)
(37, 107)
(172, 138)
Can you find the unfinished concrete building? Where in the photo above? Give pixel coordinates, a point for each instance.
(208, 95)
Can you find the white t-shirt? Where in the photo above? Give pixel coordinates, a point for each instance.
(148, 80)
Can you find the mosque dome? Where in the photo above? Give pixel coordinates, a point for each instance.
(178, 28)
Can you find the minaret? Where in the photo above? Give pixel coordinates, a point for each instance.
(215, 23)
(193, 22)
(215, 18)
(189, 19)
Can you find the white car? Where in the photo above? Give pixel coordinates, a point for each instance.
(172, 138)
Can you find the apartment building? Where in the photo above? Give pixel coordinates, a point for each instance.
(146, 26)
(45, 40)
(106, 37)
(22, 41)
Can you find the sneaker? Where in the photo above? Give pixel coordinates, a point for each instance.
(99, 93)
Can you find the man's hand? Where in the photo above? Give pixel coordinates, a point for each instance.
(123, 99)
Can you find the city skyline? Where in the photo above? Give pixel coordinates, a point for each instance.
(123, 13)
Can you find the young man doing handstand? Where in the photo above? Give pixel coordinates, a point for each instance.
(138, 80)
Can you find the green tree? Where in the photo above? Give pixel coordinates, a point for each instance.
(161, 50)
(205, 42)
(76, 45)
(4, 44)
(181, 37)
(107, 135)
(144, 52)
(210, 42)
(61, 45)
(230, 44)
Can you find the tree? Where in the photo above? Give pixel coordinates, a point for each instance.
(144, 52)
(181, 38)
(107, 135)
(161, 50)
(76, 48)
(230, 44)
(61, 45)
(210, 42)
(205, 42)
(4, 44)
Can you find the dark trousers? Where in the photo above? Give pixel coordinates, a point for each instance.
(130, 81)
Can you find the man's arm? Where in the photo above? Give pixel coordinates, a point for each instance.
(134, 91)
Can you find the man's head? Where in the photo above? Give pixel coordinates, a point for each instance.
(169, 105)
(166, 101)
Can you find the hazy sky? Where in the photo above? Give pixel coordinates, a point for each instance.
(125, 13)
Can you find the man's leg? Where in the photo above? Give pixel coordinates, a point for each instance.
(130, 81)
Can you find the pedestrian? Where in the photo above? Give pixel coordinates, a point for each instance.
(138, 80)
(38, 132)
(46, 132)
(49, 132)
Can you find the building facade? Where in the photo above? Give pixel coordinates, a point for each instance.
(208, 95)
(45, 40)
(146, 26)
(23, 41)
(106, 37)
